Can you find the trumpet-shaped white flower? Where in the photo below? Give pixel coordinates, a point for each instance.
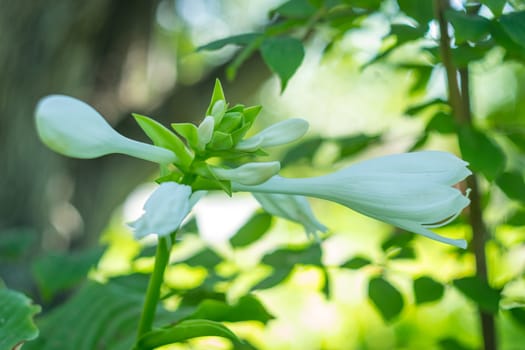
(293, 208)
(275, 135)
(75, 129)
(165, 210)
(412, 191)
(205, 131)
(249, 173)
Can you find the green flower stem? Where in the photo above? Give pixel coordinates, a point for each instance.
(153, 293)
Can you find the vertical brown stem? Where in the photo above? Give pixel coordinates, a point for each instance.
(459, 99)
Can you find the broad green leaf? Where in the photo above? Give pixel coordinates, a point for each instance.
(206, 257)
(353, 144)
(242, 39)
(486, 297)
(303, 150)
(356, 263)
(442, 123)
(247, 308)
(98, 316)
(514, 25)
(163, 137)
(464, 54)
(518, 314)
(419, 10)
(386, 298)
(483, 154)
(468, 27)
(427, 290)
(16, 319)
(517, 218)
(253, 230)
(452, 344)
(57, 272)
(512, 184)
(183, 331)
(283, 55)
(295, 9)
(496, 6)
(189, 131)
(405, 33)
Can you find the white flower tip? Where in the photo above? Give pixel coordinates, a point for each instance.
(249, 173)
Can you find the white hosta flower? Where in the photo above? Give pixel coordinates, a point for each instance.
(293, 208)
(75, 129)
(249, 173)
(205, 131)
(165, 210)
(412, 191)
(275, 135)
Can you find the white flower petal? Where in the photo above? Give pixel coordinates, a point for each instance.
(75, 129)
(275, 135)
(249, 173)
(165, 210)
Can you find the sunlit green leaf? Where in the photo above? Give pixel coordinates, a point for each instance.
(427, 290)
(247, 308)
(253, 230)
(283, 55)
(386, 298)
(483, 154)
(356, 263)
(512, 183)
(16, 319)
(486, 297)
(242, 39)
(58, 272)
(183, 331)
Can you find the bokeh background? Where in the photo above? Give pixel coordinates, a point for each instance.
(141, 56)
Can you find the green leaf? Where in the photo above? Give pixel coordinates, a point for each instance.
(303, 150)
(247, 308)
(517, 218)
(189, 131)
(295, 9)
(206, 257)
(283, 55)
(442, 123)
(483, 154)
(512, 184)
(514, 25)
(386, 298)
(253, 230)
(396, 240)
(486, 297)
(496, 6)
(163, 137)
(468, 27)
(57, 272)
(405, 33)
(464, 54)
(419, 10)
(16, 319)
(427, 290)
(356, 263)
(242, 39)
(98, 316)
(183, 331)
(415, 110)
(401, 253)
(452, 344)
(353, 144)
(518, 314)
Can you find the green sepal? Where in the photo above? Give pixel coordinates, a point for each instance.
(208, 181)
(183, 331)
(251, 113)
(218, 94)
(220, 141)
(189, 131)
(163, 137)
(230, 122)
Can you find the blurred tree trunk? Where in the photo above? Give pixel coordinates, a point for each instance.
(78, 49)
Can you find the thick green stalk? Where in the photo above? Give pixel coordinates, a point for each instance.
(459, 100)
(153, 291)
